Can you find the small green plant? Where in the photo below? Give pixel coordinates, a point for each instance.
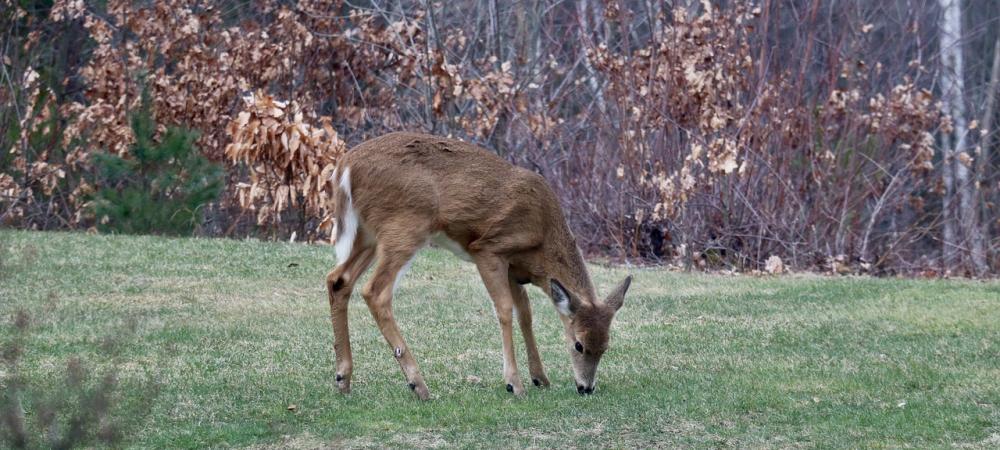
(160, 187)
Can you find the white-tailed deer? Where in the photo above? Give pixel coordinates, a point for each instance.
(397, 192)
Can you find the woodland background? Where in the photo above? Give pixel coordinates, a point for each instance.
(831, 135)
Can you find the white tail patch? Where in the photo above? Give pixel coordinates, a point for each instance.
(346, 237)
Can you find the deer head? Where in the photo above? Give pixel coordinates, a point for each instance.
(587, 329)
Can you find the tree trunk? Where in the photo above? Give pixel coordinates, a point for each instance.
(953, 98)
(432, 44)
(500, 128)
(949, 240)
(653, 9)
(985, 157)
(585, 29)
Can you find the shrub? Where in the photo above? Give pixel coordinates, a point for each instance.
(159, 188)
(289, 160)
(85, 409)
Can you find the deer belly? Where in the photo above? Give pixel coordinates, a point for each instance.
(442, 240)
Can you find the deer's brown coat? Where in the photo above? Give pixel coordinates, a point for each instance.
(405, 187)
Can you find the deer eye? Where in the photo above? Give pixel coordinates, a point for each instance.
(579, 347)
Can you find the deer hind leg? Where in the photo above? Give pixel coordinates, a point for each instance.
(394, 254)
(523, 308)
(339, 284)
(493, 271)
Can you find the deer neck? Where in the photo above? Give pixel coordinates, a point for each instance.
(564, 262)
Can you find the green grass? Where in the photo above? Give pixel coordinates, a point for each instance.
(233, 332)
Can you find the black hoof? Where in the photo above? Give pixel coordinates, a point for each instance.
(510, 388)
(536, 382)
(413, 387)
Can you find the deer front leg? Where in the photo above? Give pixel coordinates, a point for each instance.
(523, 305)
(493, 271)
(378, 294)
(339, 284)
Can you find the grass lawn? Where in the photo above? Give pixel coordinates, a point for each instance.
(212, 340)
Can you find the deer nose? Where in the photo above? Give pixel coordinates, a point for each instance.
(584, 390)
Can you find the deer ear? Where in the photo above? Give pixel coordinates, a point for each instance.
(560, 296)
(617, 296)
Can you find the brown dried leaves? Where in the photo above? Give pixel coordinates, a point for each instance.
(290, 160)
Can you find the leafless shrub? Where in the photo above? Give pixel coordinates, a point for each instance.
(83, 411)
(737, 169)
